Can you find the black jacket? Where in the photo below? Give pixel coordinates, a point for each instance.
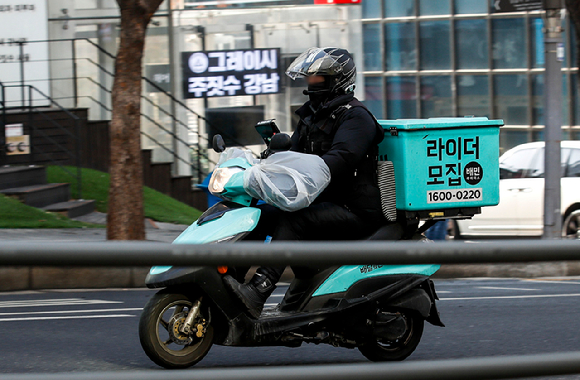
(345, 134)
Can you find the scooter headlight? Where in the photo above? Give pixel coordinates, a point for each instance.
(220, 178)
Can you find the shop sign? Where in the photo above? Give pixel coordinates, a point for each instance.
(321, 2)
(516, 5)
(231, 73)
(160, 75)
(446, 170)
(21, 22)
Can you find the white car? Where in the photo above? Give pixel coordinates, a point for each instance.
(521, 187)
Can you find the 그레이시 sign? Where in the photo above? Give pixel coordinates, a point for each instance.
(231, 73)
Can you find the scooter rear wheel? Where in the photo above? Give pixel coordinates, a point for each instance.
(161, 335)
(379, 349)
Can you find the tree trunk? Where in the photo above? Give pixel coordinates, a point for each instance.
(125, 220)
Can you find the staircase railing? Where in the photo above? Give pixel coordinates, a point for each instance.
(200, 160)
(196, 148)
(34, 130)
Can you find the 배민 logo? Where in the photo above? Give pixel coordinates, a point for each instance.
(198, 63)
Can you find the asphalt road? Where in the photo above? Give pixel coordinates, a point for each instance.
(64, 331)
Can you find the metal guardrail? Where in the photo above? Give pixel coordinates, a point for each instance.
(458, 369)
(315, 253)
(285, 253)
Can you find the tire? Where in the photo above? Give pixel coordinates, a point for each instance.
(571, 225)
(378, 350)
(164, 312)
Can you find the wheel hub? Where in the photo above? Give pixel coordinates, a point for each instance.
(175, 328)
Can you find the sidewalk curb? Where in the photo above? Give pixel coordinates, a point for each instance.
(34, 278)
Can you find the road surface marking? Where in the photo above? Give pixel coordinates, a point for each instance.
(511, 297)
(66, 317)
(53, 302)
(554, 281)
(498, 288)
(73, 311)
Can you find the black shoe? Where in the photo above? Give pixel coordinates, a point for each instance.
(253, 294)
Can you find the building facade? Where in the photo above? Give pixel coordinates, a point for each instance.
(437, 58)
(416, 59)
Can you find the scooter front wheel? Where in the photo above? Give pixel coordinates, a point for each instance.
(380, 349)
(163, 336)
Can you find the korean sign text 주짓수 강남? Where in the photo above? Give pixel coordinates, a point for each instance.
(231, 73)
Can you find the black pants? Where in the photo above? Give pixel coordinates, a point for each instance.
(320, 221)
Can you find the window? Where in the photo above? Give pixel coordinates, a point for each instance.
(470, 6)
(576, 100)
(471, 44)
(511, 99)
(537, 42)
(372, 47)
(573, 53)
(399, 8)
(573, 169)
(508, 138)
(400, 52)
(436, 96)
(374, 95)
(433, 7)
(538, 100)
(509, 43)
(371, 9)
(472, 95)
(538, 134)
(537, 167)
(518, 165)
(435, 45)
(401, 98)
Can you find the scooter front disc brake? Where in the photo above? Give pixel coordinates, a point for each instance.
(174, 328)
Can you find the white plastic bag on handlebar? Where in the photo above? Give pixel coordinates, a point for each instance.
(288, 180)
(231, 153)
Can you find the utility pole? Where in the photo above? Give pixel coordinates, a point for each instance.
(553, 117)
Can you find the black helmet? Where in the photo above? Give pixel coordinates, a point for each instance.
(335, 63)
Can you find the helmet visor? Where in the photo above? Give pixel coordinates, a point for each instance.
(314, 61)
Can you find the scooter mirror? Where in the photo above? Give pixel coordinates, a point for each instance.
(218, 143)
(267, 129)
(280, 142)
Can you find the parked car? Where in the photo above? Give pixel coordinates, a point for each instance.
(521, 208)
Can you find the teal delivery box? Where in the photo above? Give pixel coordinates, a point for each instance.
(443, 163)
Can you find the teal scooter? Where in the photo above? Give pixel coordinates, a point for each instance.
(379, 309)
